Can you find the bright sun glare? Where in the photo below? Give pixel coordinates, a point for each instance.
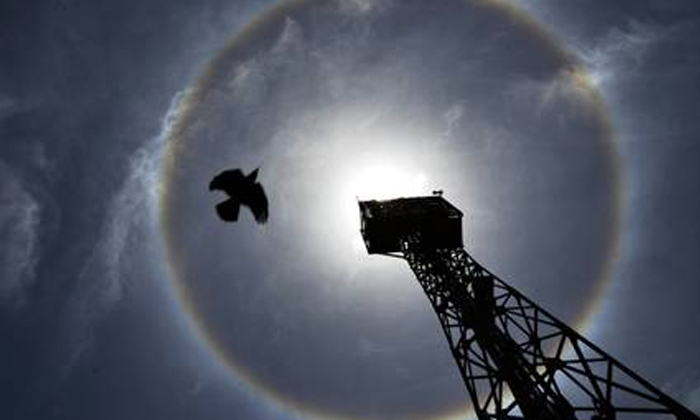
(364, 164)
(376, 181)
(384, 181)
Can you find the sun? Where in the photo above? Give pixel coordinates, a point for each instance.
(381, 179)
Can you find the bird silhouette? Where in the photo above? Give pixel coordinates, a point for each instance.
(242, 190)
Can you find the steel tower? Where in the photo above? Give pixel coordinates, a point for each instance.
(517, 360)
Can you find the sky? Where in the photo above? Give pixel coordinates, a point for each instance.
(566, 131)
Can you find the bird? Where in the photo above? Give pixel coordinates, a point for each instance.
(242, 190)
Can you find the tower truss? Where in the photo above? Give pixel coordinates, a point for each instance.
(517, 361)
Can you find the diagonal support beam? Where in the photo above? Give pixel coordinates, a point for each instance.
(520, 362)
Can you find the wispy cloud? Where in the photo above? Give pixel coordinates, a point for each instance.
(19, 229)
(622, 50)
(7, 106)
(692, 399)
(103, 278)
(685, 387)
(565, 93)
(451, 118)
(248, 81)
(292, 37)
(361, 7)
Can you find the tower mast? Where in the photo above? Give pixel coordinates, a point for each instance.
(517, 361)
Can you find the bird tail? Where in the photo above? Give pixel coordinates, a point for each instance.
(262, 216)
(259, 205)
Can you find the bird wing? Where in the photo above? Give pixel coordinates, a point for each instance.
(228, 181)
(253, 176)
(258, 203)
(228, 210)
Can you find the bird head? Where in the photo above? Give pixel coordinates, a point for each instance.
(216, 183)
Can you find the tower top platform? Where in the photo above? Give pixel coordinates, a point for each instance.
(385, 223)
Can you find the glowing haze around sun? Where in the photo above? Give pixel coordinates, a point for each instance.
(335, 103)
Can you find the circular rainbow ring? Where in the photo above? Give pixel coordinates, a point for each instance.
(185, 113)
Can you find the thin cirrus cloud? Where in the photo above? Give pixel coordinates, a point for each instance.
(19, 228)
(103, 279)
(622, 50)
(355, 7)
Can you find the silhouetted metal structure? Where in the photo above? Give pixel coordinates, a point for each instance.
(517, 361)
